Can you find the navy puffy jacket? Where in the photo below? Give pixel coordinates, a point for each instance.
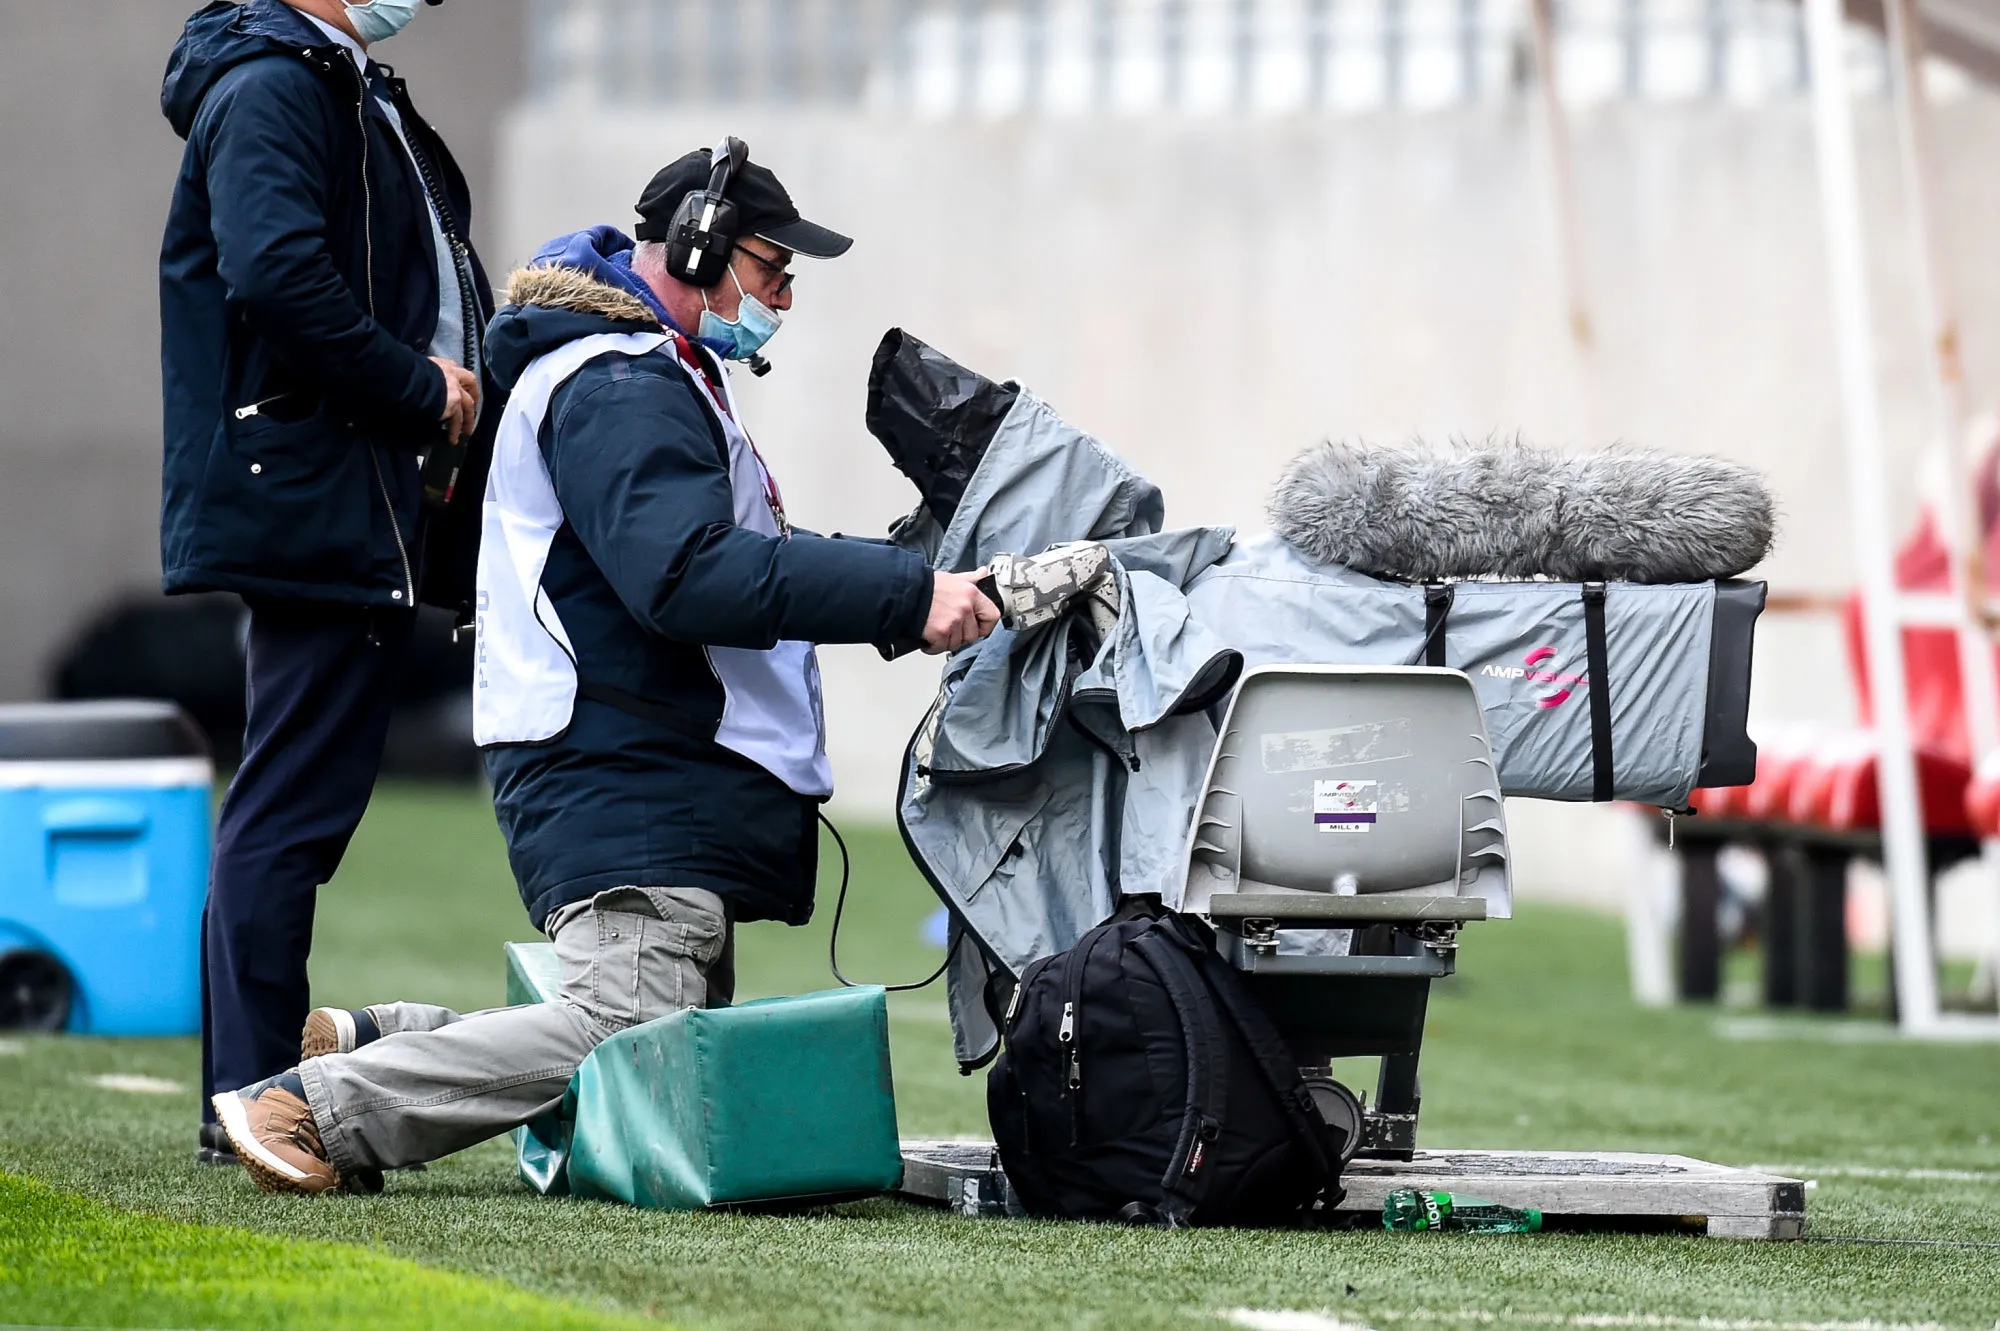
(298, 300)
(648, 568)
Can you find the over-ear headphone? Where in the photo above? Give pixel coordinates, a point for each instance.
(702, 235)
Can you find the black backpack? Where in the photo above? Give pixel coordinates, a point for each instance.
(1141, 1082)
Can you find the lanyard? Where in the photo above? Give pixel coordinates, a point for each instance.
(718, 395)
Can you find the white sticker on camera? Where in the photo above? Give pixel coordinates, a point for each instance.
(1346, 806)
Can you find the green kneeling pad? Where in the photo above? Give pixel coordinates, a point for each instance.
(778, 1100)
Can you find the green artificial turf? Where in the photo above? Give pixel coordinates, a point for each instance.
(65, 1261)
(1534, 1045)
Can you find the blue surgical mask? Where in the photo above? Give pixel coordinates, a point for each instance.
(378, 19)
(754, 325)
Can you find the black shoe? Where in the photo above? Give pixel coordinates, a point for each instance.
(362, 1182)
(214, 1148)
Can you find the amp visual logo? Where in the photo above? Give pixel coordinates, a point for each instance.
(1539, 666)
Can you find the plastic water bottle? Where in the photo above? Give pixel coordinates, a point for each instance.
(1408, 1211)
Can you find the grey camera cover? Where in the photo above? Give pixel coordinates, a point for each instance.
(1056, 772)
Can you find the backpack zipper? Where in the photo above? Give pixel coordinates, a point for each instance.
(1034, 969)
(1067, 1038)
(1068, 1032)
(1020, 988)
(1073, 1075)
(1066, 1035)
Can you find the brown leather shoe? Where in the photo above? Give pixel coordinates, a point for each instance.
(336, 1030)
(272, 1129)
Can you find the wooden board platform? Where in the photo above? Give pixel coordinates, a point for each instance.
(1574, 1189)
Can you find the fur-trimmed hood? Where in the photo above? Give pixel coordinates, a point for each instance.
(1510, 509)
(578, 285)
(572, 289)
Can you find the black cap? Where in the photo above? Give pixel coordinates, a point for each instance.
(762, 207)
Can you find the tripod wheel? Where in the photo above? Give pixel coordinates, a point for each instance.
(1340, 1109)
(36, 991)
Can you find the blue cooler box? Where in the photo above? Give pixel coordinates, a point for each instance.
(104, 844)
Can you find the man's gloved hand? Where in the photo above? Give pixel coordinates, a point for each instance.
(461, 398)
(960, 613)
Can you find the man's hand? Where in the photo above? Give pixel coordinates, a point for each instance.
(960, 612)
(461, 398)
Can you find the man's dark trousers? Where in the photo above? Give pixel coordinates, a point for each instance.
(322, 681)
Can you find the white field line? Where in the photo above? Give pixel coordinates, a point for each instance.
(1847, 1031)
(9, 1047)
(1258, 1319)
(1823, 1031)
(1287, 1320)
(133, 1085)
(1871, 1171)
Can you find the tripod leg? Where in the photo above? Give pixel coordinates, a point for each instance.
(1781, 926)
(1701, 939)
(1397, 1092)
(1822, 935)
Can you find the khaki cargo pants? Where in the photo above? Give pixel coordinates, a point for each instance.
(437, 1082)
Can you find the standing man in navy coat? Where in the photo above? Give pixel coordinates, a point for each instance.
(321, 320)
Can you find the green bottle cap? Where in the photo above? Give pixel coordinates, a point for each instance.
(1534, 1219)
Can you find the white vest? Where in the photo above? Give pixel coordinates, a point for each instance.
(524, 679)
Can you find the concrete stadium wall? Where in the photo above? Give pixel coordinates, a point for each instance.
(1210, 295)
(87, 166)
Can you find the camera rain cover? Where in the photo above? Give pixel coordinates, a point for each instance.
(934, 416)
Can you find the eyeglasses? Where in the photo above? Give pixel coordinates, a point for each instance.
(784, 277)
